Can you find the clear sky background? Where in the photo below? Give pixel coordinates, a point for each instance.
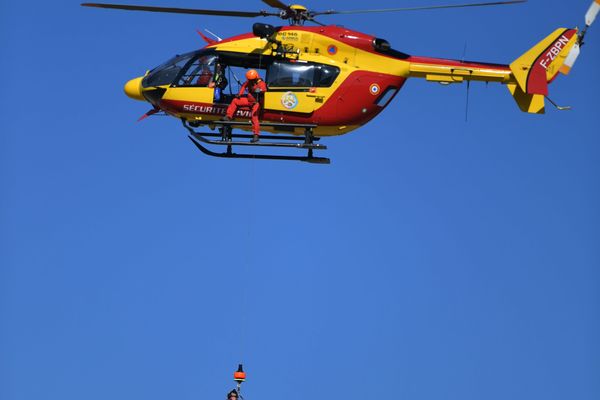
(433, 259)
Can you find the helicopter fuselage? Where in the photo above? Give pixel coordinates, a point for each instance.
(330, 76)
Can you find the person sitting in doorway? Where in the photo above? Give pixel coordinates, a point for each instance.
(256, 88)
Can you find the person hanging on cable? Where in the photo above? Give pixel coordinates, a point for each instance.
(256, 88)
(232, 395)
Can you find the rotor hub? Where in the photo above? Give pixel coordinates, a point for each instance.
(296, 14)
(298, 7)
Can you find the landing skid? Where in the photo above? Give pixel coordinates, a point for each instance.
(227, 138)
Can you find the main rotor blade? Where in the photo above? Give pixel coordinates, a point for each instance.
(496, 3)
(276, 4)
(314, 21)
(196, 11)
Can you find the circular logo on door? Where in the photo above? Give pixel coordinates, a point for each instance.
(289, 100)
(374, 89)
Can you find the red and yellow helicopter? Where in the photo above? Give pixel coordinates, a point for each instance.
(322, 80)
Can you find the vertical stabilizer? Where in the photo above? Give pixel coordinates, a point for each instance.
(540, 65)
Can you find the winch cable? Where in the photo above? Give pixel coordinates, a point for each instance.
(246, 265)
(231, 73)
(249, 254)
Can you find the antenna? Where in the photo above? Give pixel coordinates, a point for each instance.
(467, 103)
(559, 108)
(214, 35)
(468, 84)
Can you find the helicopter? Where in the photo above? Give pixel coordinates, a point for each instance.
(323, 80)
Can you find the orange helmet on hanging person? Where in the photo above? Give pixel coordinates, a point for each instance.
(251, 74)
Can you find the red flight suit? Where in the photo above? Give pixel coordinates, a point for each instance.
(204, 78)
(254, 87)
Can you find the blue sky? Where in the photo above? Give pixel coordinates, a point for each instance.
(433, 259)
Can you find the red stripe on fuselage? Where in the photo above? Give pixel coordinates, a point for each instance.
(353, 103)
(537, 77)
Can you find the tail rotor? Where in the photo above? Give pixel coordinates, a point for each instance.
(590, 16)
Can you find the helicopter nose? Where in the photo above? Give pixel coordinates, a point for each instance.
(133, 89)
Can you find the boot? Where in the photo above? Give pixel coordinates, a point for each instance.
(254, 138)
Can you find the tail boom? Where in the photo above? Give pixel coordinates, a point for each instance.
(454, 71)
(527, 77)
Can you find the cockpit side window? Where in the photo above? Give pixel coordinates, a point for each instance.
(200, 72)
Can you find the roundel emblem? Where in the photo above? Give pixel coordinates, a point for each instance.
(332, 49)
(289, 100)
(374, 89)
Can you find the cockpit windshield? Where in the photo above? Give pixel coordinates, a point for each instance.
(166, 73)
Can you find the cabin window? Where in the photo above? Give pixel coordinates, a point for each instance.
(386, 97)
(325, 75)
(286, 74)
(290, 75)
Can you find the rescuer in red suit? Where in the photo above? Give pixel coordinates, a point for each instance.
(256, 87)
